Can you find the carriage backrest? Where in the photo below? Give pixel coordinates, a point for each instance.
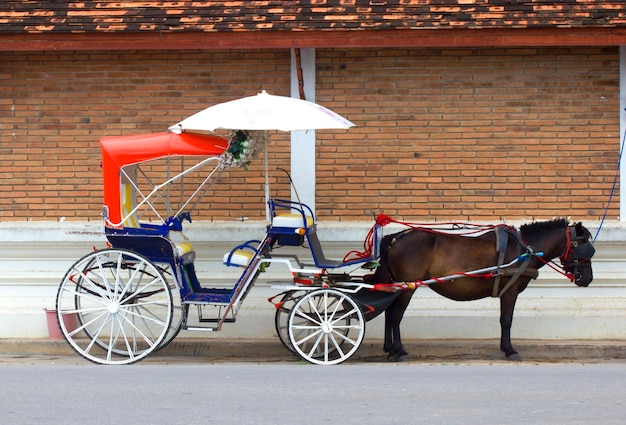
(290, 214)
(128, 203)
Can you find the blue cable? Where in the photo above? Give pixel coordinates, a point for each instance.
(619, 160)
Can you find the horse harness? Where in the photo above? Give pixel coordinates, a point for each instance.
(502, 239)
(578, 249)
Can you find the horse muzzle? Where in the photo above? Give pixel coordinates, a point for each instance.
(583, 278)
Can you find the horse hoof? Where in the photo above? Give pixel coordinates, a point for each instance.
(399, 358)
(514, 357)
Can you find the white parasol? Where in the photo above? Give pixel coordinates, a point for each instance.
(263, 112)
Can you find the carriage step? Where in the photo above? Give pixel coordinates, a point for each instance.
(217, 319)
(210, 313)
(200, 328)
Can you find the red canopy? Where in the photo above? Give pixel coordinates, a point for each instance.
(120, 151)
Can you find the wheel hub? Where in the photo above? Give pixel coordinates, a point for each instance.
(113, 308)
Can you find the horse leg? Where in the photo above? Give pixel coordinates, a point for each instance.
(393, 316)
(507, 305)
(388, 345)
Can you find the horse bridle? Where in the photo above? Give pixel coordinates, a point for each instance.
(578, 251)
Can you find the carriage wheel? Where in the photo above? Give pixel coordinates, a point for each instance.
(326, 326)
(174, 328)
(281, 321)
(281, 318)
(123, 304)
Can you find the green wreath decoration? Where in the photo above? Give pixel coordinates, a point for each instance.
(243, 147)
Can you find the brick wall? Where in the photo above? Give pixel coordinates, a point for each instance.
(470, 134)
(56, 106)
(442, 134)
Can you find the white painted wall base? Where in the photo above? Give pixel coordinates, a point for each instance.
(35, 256)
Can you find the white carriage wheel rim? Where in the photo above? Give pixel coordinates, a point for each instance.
(282, 314)
(178, 315)
(110, 310)
(323, 328)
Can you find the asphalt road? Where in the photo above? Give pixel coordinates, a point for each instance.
(72, 391)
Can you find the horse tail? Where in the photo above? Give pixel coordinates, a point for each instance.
(383, 274)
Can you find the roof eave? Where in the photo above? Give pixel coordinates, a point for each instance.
(438, 38)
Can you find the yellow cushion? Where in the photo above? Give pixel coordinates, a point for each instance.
(239, 258)
(291, 220)
(183, 248)
(183, 245)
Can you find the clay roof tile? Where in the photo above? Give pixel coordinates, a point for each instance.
(31, 16)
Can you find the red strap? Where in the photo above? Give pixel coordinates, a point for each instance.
(368, 243)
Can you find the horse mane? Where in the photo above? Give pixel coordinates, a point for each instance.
(544, 226)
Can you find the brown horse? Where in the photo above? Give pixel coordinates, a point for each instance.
(418, 254)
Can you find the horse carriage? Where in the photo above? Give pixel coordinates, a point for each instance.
(132, 298)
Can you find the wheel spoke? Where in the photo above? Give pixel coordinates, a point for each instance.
(308, 318)
(121, 320)
(93, 341)
(99, 289)
(103, 274)
(139, 290)
(313, 349)
(144, 318)
(130, 280)
(346, 315)
(315, 310)
(85, 325)
(336, 345)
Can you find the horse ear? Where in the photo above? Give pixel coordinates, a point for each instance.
(582, 230)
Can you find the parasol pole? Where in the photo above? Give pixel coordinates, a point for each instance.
(267, 186)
